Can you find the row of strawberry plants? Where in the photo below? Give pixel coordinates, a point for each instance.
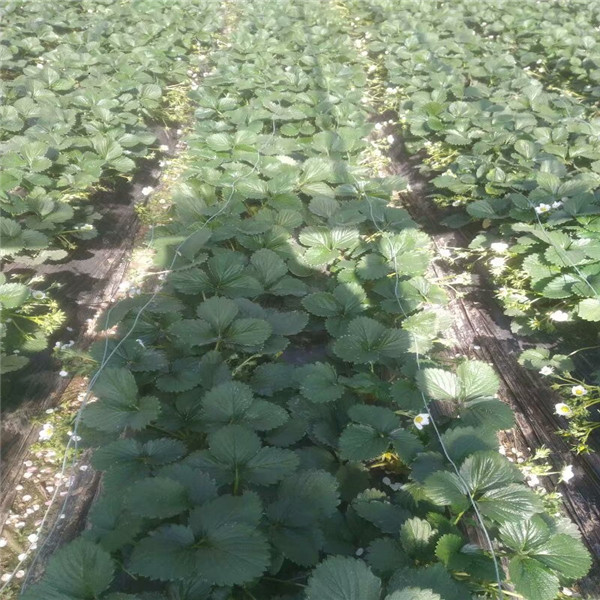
(82, 83)
(520, 159)
(557, 41)
(264, 424)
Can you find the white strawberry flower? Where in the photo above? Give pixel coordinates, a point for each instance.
(542, 208)
(499, 247)
(146, 191)
(47, 432)
(559, 315)
(563, 409)
(546, 370)
(498, 262)
(421, 420)
(567, 473)
(578, 390)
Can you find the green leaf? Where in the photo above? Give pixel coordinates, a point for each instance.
(487, 413)
(384, 555)
(13, 295)
(224, 275)
(198, 485)
(447, 489)
(564, 554)
(532, 580)
(525, 534)
(509, 503)
(230, 554)
(166, 555)
(464, 558)
(477, 380)
(112, 527)
(119, 407)
(219, 142)
(318, 169)
(485, 471)
(526, 148)
(406, 444)
(368, 340)
(249, 332)
(227, 510)
(309, 495)
(269, 265)
(433, 577)
(235, 456)
(233, 402)
(270, 378)
(461, 441)
(11, 362)
(322, 304)
(325, 243)
(301, 545)
(81, 570)
(286, 323)
(221, 545)
(157, 497)
(318, 383)
(362, 442)
(342, 578)
(128, 460)
(374, 506)
(218, 323)
(416, 536)
(438, 384)
(589, 309)
(116, 385)
(192, 588)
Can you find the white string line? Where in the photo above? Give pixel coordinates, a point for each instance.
(73, 440)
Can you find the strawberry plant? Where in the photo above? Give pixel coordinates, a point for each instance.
(27, 317)
(259, 438)
(520, 157)
(83, 84)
